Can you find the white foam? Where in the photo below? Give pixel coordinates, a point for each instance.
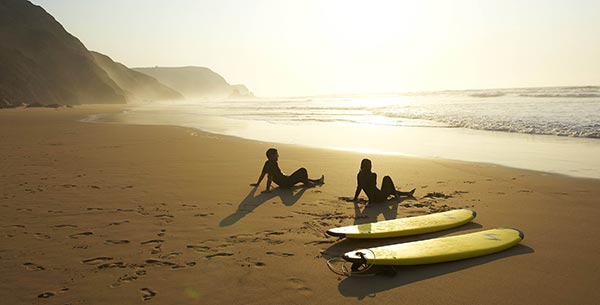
(506, 129)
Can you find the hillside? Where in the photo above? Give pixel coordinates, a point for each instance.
(196, 82)
(41, 62)
(138, 87)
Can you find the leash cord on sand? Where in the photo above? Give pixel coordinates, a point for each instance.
(344, 271)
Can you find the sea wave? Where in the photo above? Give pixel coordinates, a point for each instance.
(560, 111)
(553, 95)
(591, 130)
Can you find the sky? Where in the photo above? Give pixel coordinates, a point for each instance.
(313, 47)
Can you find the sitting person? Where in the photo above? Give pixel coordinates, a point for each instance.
(367, 181)
(274, 174)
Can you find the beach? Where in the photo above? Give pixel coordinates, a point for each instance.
(131, 214)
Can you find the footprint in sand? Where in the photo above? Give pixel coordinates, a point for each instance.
(300, 286)
(140, 272)
(118, 222)
(123, 279)
(154, 262)
(251, 262)
(65, 226)
(33, 267)
(269, 233)
(219, 254)
(46, 295)
(156, 249)
(41, 236)
(147, 294)
(152, 241)
(96, 260)
(198, 248)
(117, 241)
(77, 235)
(170, 255)
(282, 254)
(203, 214)
(112, 265)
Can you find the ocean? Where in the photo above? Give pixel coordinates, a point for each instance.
(552, 129)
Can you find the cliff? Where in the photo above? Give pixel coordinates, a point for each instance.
(138, 87)
(196, 82)
(41, 62)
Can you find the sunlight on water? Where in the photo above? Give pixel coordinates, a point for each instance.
(511, 127)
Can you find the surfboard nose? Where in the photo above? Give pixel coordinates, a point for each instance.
(332, 232)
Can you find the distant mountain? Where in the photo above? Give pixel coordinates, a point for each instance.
(196, 82)
(240, 91)
(137, 86)
(41, 62)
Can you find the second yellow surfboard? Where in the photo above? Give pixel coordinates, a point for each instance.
(406, 226)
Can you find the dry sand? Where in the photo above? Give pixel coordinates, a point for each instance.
(118, 214)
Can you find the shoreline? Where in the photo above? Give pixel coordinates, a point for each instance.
(112, 213)
(525, 164)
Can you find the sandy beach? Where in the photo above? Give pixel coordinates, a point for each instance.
(125, 214)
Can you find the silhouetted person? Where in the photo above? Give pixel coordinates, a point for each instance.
(366, 180)
(274, 174)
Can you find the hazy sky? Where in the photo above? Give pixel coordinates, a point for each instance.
(304, 47)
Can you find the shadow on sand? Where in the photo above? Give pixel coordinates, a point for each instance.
(389, 210)
(361, 287)
(288, 196)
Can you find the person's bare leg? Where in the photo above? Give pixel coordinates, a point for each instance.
(387, 187)
(409, 193)
(318, 181)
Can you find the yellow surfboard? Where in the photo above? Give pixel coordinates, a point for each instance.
(438, 250)
(406, 226)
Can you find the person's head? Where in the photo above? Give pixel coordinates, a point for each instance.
(365, 165)
(272, 154)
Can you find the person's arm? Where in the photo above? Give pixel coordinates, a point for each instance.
(260, 178)
(269, 180)
(358, 188)
(262, 175)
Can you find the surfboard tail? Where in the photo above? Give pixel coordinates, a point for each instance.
(521, 234)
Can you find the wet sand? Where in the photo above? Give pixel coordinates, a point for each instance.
(122, 214)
